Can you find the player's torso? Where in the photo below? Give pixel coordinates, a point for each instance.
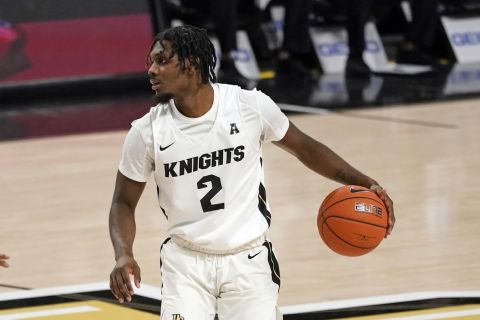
(208, 188)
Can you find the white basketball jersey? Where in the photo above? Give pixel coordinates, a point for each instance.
(212, 191)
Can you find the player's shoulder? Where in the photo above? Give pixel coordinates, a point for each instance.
(226, 90)
(145, 122)
(253, 93)
(247, 97)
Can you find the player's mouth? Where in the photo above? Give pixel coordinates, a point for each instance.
(155, 84)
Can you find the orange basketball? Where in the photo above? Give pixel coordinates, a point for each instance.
(352, 220)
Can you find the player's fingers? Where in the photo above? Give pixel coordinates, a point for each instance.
(391, 222)
(390, 226)
(391, 214)
(4, 264)
(121, 289)
(127, 289)
(4, 256)
(113, 287)
(382, 193)
(117, 281)
(137, 276)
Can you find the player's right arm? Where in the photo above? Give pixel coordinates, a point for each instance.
(122, 233)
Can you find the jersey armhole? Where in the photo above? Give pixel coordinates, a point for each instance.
(147, 155)
(264, 119)
(256, 145)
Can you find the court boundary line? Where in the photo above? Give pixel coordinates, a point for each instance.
(354, 114)
(303, 109)
(145, 290)
(2, 285)
(153, 292)
(376, 300)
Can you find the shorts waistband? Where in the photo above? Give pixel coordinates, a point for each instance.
(186, 244)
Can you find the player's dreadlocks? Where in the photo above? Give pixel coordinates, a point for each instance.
(192, 44)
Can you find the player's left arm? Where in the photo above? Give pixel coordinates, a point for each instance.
(321, 159)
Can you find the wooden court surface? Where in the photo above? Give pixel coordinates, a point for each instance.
(56, 192)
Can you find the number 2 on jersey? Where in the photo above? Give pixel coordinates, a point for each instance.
(206, 201)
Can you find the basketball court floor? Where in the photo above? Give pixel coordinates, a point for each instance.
(58, 160)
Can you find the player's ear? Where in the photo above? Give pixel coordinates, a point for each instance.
(191, 67)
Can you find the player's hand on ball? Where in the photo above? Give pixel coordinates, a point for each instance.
(120, 283)
(382, 193)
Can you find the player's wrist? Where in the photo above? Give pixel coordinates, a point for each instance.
(124, 256)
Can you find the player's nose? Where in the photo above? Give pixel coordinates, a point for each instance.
(152, 70)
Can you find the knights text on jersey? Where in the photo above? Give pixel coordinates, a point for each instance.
(212, 190)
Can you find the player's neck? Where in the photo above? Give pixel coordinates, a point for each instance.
(197, 102)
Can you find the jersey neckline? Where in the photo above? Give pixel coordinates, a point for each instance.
(215, 108)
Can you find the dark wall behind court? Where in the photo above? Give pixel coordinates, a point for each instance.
(54, 40)
(19, 11)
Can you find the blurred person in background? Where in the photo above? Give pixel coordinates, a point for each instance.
(12, 50)
(296, 46)
(414, 49)
(420, 35)
(223, 17)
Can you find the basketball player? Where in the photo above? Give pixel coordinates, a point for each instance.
(202, 142)
(3, 262)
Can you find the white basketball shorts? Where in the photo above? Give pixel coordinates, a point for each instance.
(239, 286)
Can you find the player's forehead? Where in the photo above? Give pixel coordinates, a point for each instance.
(163, 48)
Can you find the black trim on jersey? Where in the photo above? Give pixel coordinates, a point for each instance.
(262, 203)
(272, 261)
(164, 213)
(161, 247)
(158, 197)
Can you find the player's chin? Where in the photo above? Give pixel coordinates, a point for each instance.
(161, 97)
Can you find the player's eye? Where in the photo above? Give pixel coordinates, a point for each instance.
(160, 60)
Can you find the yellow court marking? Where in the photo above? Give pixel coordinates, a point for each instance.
(464, 312)
(91, 310)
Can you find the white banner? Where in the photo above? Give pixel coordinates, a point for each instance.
(331, 48)
(244, 57)
(464, 78)
(334, 89)
(464, 37)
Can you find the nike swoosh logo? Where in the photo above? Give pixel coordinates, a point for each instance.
(165, 148)
(352, 190)
(256, 254)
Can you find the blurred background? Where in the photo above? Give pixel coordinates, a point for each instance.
(329, 54)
